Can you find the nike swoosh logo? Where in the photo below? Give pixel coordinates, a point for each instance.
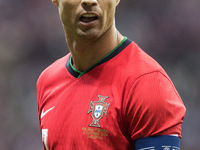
(44, 113)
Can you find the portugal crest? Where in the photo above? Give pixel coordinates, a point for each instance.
(98, 108)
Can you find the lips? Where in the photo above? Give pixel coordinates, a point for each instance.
(87, 18)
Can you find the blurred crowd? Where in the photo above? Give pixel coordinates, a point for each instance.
(31, 38)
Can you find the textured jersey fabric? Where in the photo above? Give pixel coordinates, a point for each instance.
(123, 97)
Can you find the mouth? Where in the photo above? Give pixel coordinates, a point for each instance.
(87, 18)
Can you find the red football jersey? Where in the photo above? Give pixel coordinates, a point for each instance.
(123, 97)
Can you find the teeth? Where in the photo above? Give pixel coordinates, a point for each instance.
(89, 15)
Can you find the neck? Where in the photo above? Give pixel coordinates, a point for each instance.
(85, 53)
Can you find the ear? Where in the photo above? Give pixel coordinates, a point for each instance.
(55, 2)
(117, 2)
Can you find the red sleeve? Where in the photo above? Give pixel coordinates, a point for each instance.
(40, 89)
(153, 107)
(39, 98)
(38, 101)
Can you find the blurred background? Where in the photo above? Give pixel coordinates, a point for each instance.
(31, 38)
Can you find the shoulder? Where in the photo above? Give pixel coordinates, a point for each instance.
(140, 61)
(146, 73)
(53, 71)
(133, 63)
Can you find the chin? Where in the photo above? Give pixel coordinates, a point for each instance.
(91, 34)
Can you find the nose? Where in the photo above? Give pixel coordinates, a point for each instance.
(89, 2)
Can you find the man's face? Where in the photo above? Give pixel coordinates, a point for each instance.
(88, 19)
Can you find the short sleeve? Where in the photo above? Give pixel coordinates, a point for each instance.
(38, 100)
(153, 107)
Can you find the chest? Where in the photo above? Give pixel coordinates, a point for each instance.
(82, 114)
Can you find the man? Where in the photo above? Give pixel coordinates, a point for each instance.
(106, 93)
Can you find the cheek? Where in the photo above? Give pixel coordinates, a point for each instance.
(67, 11)
(110, 13)
(64, 15)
